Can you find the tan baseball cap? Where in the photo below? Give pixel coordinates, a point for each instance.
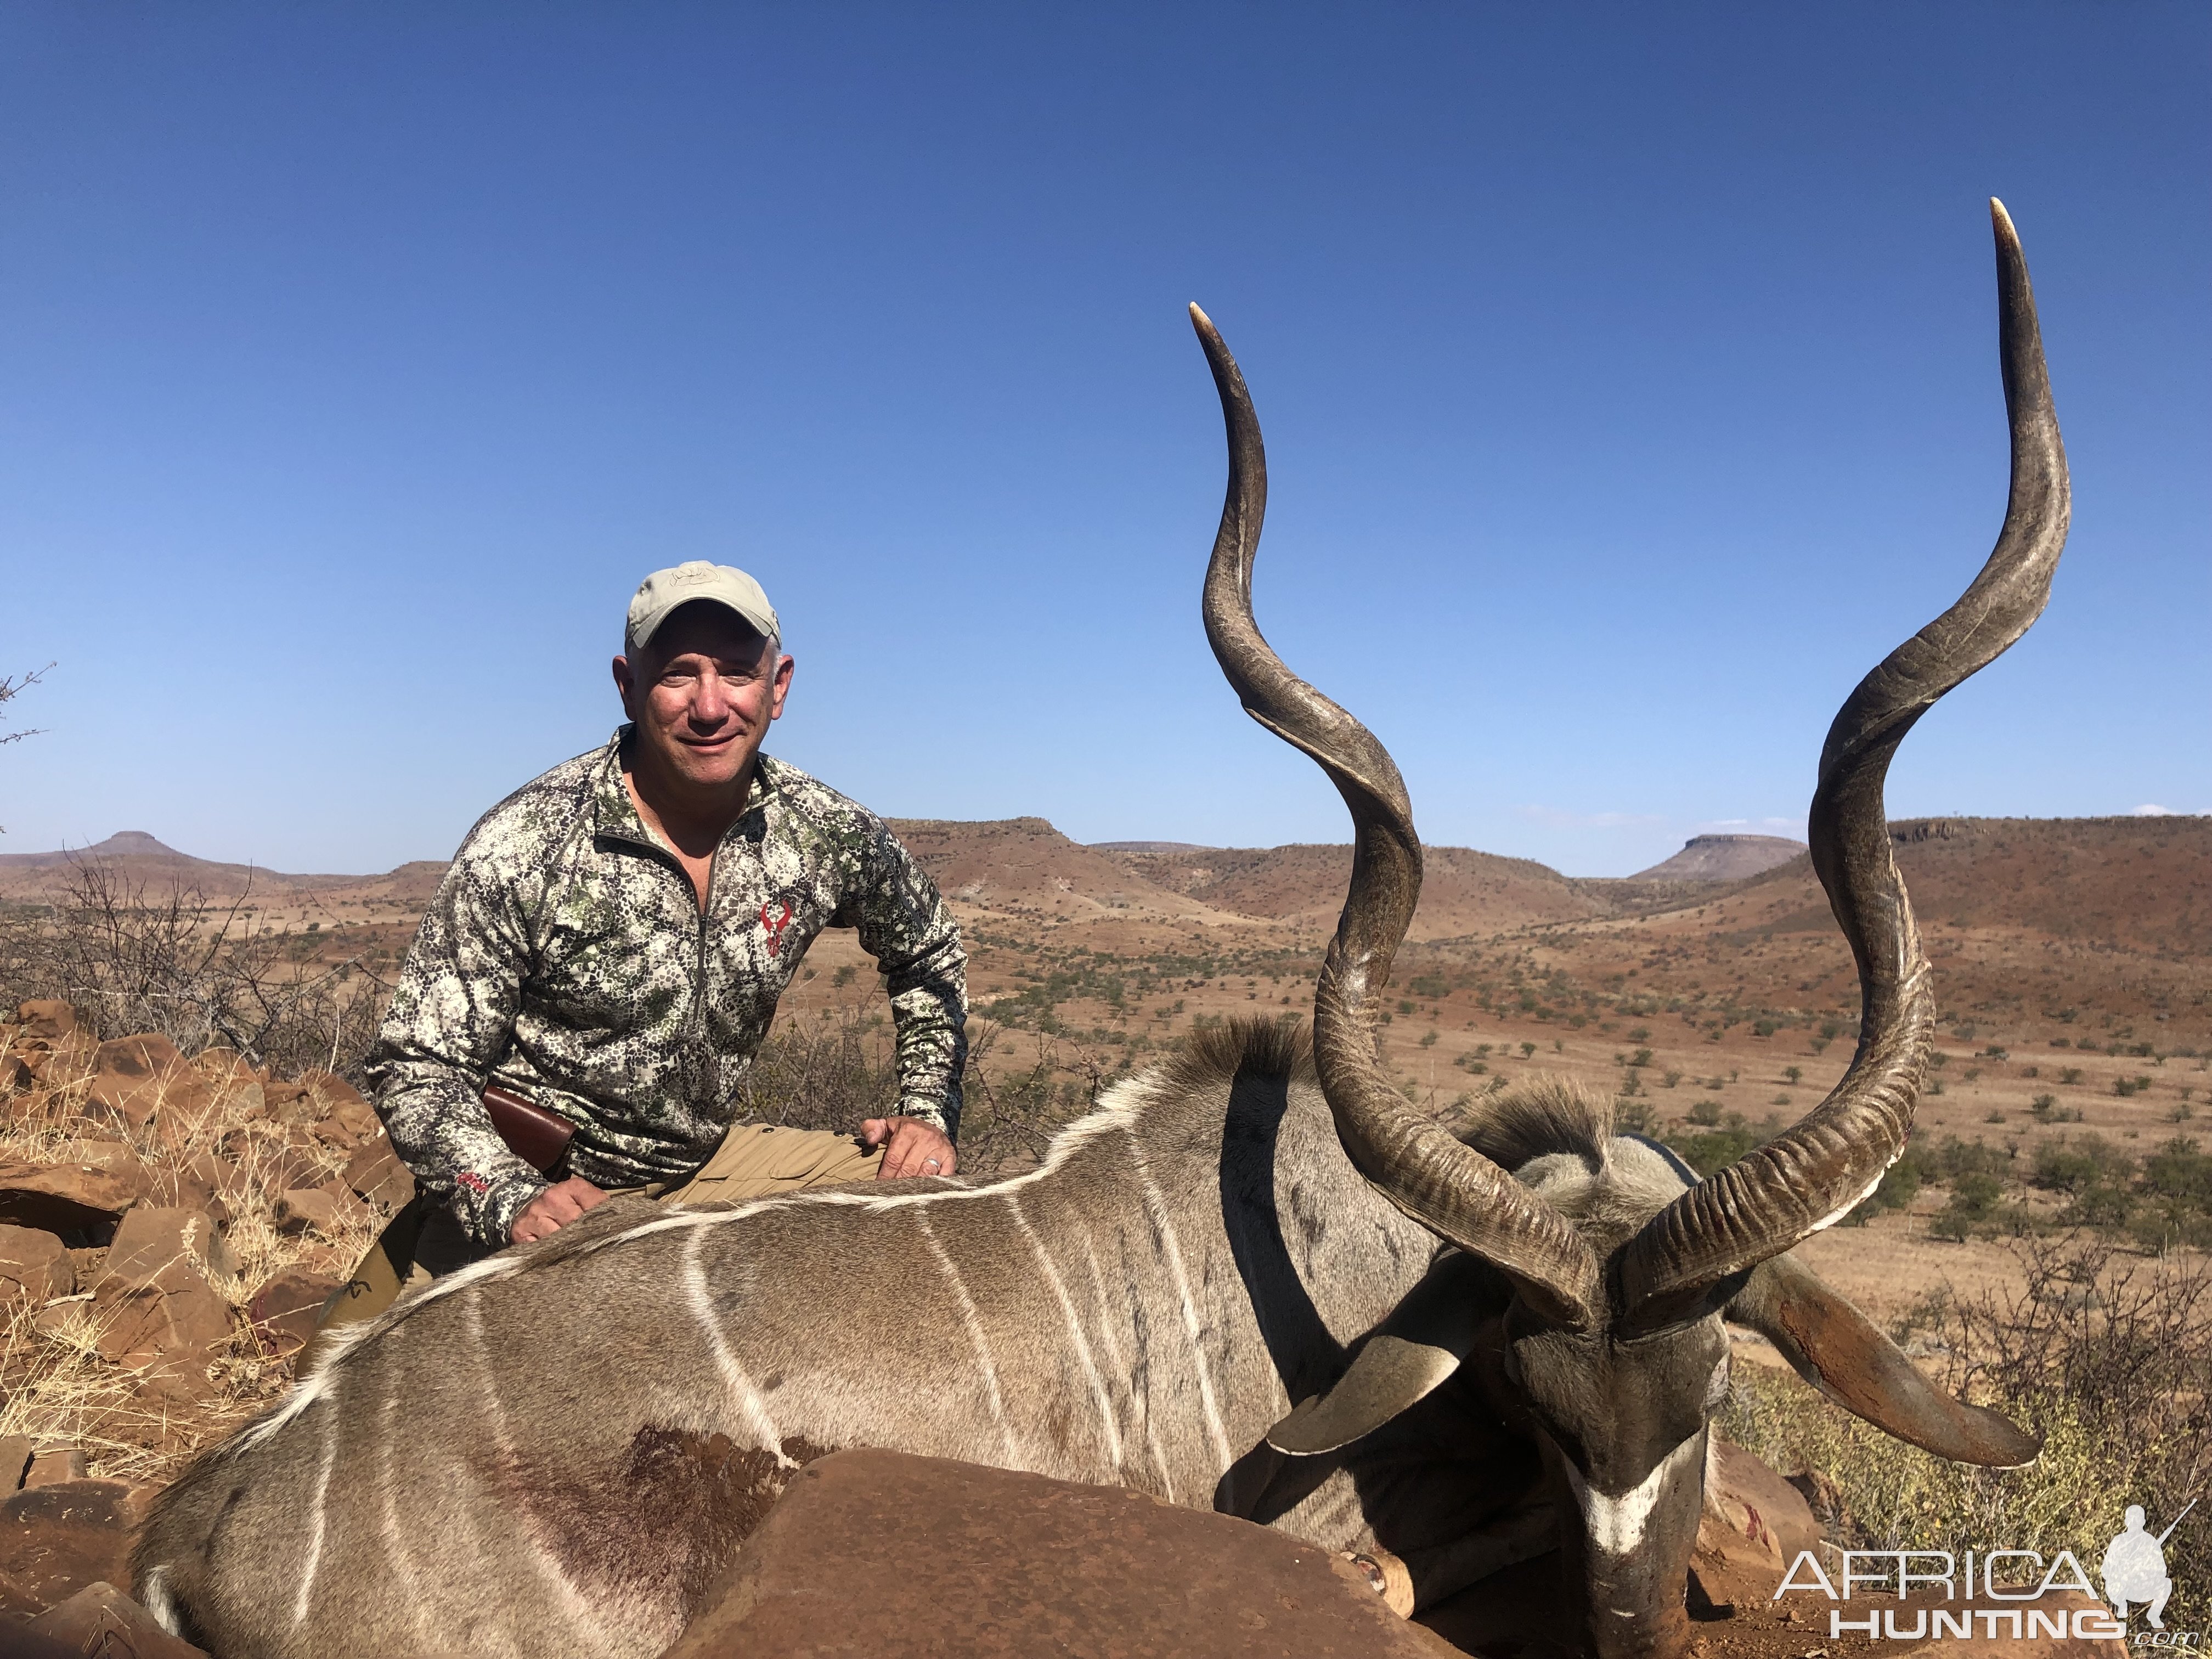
(664, 590)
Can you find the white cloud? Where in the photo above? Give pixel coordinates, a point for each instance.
(2147, 810)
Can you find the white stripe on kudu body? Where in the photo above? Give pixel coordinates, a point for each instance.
(313, 1562)
(740, 1386)
(1074, 1332)
(1155, 1206)
(974, 1326)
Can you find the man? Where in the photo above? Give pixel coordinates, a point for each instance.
(2134, 1567)
(609, 945)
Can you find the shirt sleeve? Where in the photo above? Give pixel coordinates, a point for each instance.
(450, 1020)
(906, 925)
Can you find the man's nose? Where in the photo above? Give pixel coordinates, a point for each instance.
(710, 702)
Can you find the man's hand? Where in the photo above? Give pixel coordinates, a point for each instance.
(554, 1209)
(911, 1147)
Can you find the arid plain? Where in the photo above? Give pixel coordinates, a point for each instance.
(2073, 964)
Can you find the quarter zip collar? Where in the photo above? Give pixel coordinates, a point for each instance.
(615, 815)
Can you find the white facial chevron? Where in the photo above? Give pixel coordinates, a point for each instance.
(1616, 1523)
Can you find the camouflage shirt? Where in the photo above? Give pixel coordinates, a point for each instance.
(567, 957)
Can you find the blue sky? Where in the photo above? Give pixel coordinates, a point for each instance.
(1628, 374)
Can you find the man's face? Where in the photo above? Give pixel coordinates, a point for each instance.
(702, 693)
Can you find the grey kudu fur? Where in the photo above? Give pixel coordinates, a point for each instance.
(1498, 1345)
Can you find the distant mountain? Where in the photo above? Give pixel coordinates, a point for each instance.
(140, 860)
(1723, 858)
(1150, 846)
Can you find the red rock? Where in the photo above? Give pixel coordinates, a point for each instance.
(195, 1181)
(33, 1265)
(1021, 1564)
(21, 1642)
(159, 1313)
(287, 1102)
(133, 1076)
(14, 1075)
(54, 1541)
(375, 1172)
(285, 1310)
(87, 1195)
(100, 1620)
(51, 1469)
(346, 1120)
(147, 1055)
(1754, 1526)
(15, 1461)
(169, 1339)
(54, 1021)
(166, 1250)
(310, 1209)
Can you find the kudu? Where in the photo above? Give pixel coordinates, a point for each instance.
(1497, 1344)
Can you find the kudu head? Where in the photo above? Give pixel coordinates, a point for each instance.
(1590, 1299)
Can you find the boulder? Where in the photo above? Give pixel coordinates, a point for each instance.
(15, 1461)
(54, 1541)
(322, 1210)
(169, 1340)
(159, 1313)
(197, 1181)
(86, 1195)
(19, 1641)
(375, 1172)
(1754, 1526)
(135, 1076)
(51, 1469)
(33, 1265)
(14, 1075)
(54, 1021)
(100, 1622)
(344, 1119)
(173, 1249)
(285, 1310)
(1018, 1565)
(285, 1099)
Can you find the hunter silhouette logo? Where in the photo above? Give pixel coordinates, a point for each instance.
(2135, 1566)
(776, 921)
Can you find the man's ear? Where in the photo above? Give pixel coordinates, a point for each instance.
(625, 684)
(1837, 1350)
(779, 686)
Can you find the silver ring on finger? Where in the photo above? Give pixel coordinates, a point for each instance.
(930, 1164)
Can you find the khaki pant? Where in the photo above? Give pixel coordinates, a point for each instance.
(755, 1160)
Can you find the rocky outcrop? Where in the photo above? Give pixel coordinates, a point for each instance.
(126, 1164)
(88, 1194)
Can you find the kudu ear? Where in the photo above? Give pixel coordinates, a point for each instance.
(1837, 1350)
(1419, 1345)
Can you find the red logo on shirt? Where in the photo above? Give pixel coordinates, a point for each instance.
(775, 925)
(472, 1181)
